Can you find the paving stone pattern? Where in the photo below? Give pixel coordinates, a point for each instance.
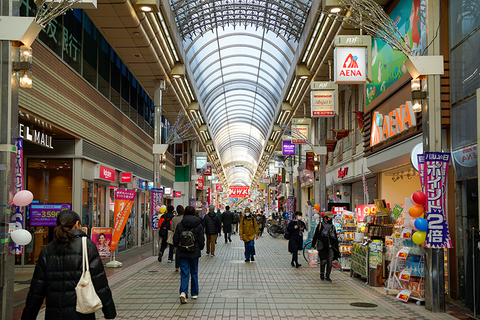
(267, 289)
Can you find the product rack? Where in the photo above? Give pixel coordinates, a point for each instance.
(346, 231)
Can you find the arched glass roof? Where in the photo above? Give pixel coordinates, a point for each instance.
(240, 54)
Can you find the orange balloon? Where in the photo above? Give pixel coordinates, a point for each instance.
(416, 211)
(317, 207)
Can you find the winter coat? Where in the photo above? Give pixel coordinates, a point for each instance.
(56, 276)
(227, 220)
(166, 215)
(295, 242)
(248, 228)
(261, 221)
(211, 223)
(175, 221)
(317, 236)
(194, 224)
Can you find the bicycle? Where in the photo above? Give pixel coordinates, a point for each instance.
(276, 228)
(307, 246)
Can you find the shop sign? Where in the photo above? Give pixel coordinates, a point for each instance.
(300, 130)
(310, 165)
(288, 148)
(466, 157)
(45, 214)
(435, 175)
(208, 171)
(140, 184)
(323, 103)
(102, 238)
(168, 191)
(35, 136)
(350, 65)
(239, 191)
(365, 210)
(104, 173)
(177, 194)
(396, 122)
(219, 187)
(200, 183)
(342, 173)
(126, 177)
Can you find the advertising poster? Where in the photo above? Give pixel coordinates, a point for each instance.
(123, 205)
(17, 217)
(156, 199)
(102, 237)
(45, 214)
(291, 208)
(365, 210)
(388, 65)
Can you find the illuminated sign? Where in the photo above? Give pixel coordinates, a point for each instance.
(342, 173)
(239, 191)
(323, 103)
(35, 136)
(104, 173)
(126, 177)
(397, 121)
(350, 65)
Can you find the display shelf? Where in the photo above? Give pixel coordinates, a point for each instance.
(346, 232)
(360, 260)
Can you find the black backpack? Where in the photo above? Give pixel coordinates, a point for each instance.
(165, 226)
(187, 241)
(235, 219)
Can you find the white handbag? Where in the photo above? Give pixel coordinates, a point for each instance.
(87, 298)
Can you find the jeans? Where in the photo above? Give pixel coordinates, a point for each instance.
(235, 228)
(211, 243)
(249, 249)
(189, 269)
(228, 236)
(327, 263)
(163, 247)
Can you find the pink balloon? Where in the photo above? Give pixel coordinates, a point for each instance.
(418, 197)
(315, 211)
(157, 208)
(22, 198)
(411, 223)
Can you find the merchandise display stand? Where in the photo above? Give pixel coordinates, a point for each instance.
(414, 263)
(360, 261)
(346, 231)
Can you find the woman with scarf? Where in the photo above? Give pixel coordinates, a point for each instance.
(326, 242)
(248, 233)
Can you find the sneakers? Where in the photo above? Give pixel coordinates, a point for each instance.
(212, 255)
(322, 277)
(247, 260)
(194, 297)
(169, 261)
(183, 298)
(328, 279)
(252, 258)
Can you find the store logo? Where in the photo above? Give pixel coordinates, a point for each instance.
(350, 67)
(342, 173)
(107, 173)
(353, 40)
(397, 121)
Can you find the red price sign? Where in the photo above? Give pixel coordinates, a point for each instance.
(405, 277)
(365, 210)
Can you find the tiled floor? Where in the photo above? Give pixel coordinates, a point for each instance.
(268, 288)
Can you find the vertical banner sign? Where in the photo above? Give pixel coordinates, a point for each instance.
(435, 172)
(200, 182)
(17, 217)
(156, 198)
(204, 209)
(192, 202)
(421, 171)
(291, 208)
(123, 205)
(366, 197)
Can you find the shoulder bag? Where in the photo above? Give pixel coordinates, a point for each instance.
(170, 237)
(87, 298)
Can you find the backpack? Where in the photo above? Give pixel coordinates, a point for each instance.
(164, 228)
(235, 219)
(187, 241)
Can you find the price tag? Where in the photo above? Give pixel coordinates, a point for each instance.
(388, 242)
(348, 215)
(404, 295)
(406, 233)
(405, 275)
(403, 253)
(398, 235)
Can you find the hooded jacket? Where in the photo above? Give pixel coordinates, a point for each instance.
(248, 228)
(211, 223)
(56, 276)
(194, 224)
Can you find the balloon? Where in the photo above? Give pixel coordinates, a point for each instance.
(416, 211)
(421, 224)
(419, 198)
(317, 207)
(157, 208)
(163, 209)
(419, 237)
(315, 211)
(322, 214)
(411, 223)
(21, 237)
(22, 198)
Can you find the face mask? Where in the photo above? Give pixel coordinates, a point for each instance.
(299, 217)
(247, 214)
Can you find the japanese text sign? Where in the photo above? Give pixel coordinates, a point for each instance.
(123, 205)
(239, 191)
(365, 210)
(156, 198)
(323, 103)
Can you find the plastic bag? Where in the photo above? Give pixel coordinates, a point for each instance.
(313, 258)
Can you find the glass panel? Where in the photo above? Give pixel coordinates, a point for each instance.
(464, 19)
(72, 38)
(103, 66)
(52, 36)
(463, 120)
(89, 50)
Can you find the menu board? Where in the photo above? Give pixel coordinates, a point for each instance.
(45, 214)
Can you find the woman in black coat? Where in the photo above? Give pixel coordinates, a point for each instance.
(58, 271)
(326, 242)
(295, 228)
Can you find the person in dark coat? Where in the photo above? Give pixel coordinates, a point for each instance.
(58, 270)
(211, 223)
(261, 220)
(295, 243)
(166, 216)
(189, 259)
(227, 220)
(326, 242)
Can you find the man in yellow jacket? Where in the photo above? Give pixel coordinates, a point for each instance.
(248, 233)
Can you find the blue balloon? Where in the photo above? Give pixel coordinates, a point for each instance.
(421, 224)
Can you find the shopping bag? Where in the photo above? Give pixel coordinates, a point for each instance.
(312, 258)
(170, 237)
(87, 298)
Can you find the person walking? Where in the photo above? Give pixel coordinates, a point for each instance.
(164, 225)
(189, 240)
(235, 222)
(219, 234)
(326, 242)
(227, 220)
(211, 223)
(58, 270)
(261, 222)
(248, 233)
(295, 243)
(175, 221)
